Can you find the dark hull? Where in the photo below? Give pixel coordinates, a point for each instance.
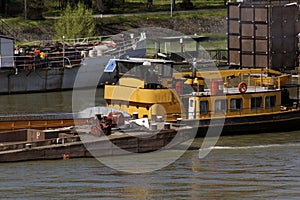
(55, 78)
(92, 146)
(88, 74)
(284, 121)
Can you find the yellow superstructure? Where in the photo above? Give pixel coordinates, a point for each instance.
(131, 96)
(199, 95)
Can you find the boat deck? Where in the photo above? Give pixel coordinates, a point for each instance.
(14, 121)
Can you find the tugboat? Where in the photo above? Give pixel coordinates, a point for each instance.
(253, 94)
(239, 101)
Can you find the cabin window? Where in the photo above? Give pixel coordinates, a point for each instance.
(256, 102)
(270, 101)
(236, 104)
(125, 68)
(204, 107)
(221, 105)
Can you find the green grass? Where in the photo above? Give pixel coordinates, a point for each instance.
(19, 21)
(216, 41)
(184, 15)
(136, 6)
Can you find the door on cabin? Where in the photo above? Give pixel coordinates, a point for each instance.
(192, 108)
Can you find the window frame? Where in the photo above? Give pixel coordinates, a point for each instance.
(269, 103)
(235, 108)
(256, 107)
(221, 109)
(206, 103)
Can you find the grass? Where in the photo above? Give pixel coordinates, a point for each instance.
(19, 22)
(137, 6)
(184, 15)
(218, 41)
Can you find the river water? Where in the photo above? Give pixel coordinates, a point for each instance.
(263, 166)
(50, 101)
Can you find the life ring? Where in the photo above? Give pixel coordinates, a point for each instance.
(242, 87)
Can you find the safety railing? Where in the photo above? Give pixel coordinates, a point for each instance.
(60, 54)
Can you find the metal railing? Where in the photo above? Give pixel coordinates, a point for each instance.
(60, 55)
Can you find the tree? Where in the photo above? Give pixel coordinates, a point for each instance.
(8, 8)
(99, 5)
(187, 4)
(35, 9)
(63, 3)
(75, 22)
(3, 8)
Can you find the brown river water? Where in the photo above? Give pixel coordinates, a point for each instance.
(261, 166)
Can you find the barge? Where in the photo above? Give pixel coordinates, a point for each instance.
(116, 135)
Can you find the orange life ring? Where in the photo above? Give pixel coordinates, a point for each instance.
(242, 87)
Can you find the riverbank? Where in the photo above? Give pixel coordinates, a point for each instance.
(206, 21)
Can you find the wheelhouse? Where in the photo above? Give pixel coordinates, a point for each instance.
(143, 87)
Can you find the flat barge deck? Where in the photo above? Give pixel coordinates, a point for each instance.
(63, 144)
(15, 121)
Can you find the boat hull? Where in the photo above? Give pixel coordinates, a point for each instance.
(93, 146)
(275, 122)
(54, 79)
